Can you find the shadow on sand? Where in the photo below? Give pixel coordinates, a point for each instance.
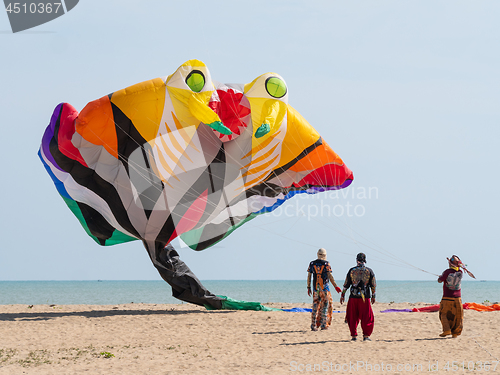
(34, 316)
(276, 333)
(313, 342)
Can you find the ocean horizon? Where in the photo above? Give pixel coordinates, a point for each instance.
(112, 292)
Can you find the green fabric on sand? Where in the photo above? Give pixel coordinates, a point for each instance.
(234, 304)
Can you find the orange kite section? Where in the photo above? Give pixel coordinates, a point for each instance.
(95, 123)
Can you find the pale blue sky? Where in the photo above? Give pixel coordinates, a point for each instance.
(406, 92)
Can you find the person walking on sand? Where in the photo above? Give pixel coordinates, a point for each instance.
(451, 312)
(361, 280)
(321, 273)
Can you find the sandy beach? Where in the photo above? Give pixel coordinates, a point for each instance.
(186, 339)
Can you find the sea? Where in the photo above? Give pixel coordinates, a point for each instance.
(103, 292)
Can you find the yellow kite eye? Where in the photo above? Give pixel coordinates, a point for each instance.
(196, 80)
(275, 87)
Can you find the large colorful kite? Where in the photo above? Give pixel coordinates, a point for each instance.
(185, 156)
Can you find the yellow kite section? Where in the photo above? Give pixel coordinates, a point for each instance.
(143, 104)
(299, 136)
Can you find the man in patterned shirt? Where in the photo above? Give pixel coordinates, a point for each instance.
(321, 273)
(361, 280)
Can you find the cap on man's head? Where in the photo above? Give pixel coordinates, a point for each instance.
(322, 253)
(361, 257)
(455, 260)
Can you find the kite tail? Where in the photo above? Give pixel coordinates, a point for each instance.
(185, 285)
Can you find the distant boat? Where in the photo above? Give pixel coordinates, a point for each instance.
(99, 281)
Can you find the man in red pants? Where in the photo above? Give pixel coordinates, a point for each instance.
(361, 280)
